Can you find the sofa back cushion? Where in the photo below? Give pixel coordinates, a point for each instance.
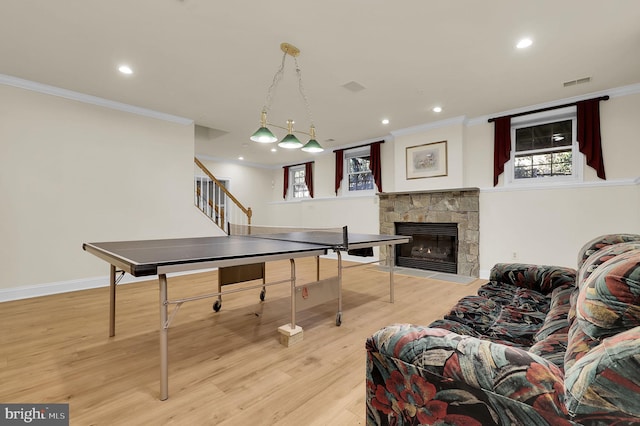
(541, 278)
(601, 242)
(601, 256)
(609, 301)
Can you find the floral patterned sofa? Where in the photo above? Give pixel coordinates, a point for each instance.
(538, 345)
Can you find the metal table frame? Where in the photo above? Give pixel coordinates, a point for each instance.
(118, 264)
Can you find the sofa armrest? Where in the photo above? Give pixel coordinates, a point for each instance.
(428, 374)
(542, 278)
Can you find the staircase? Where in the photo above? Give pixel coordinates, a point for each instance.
(214, 200)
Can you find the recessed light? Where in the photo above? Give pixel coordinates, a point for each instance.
(524, 43)
(437, 109)
(241, 158)
(125, 69)
(274, 150)
(385, 121)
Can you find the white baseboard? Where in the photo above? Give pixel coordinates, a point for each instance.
(48, 289)
(484, 274)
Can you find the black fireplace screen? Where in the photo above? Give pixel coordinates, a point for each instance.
(434, 246)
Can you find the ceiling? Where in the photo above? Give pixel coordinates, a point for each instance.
(213, 61)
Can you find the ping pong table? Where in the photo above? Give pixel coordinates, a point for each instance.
(164, 256)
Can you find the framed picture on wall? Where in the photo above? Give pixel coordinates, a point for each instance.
(428, 160)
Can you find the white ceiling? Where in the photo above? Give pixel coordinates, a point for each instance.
(213, 61)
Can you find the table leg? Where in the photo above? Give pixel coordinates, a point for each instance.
(339, 281)
(293, 294)
(339, 315)
(164, 341)
(112, 301)
(391, 262)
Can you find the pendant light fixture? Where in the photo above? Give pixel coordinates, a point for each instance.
(290, 141)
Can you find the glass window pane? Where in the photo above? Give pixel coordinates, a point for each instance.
(544, 136)
(562, 133)
(541, 159)
(522, 172)
(523, 160)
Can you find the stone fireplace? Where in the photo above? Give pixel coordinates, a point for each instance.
(445, 213)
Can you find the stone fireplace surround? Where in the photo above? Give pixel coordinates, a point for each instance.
(459, 206)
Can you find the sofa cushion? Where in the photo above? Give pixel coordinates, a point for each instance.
(552, 348)
(603, 241)
(609, 302)
(601, 256)
(496, 321)
(514, 296)
(462, 329)
(607, 380)
(556, 319)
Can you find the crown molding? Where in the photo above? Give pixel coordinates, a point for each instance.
(88, 99)
(237, 162)
(613, 93)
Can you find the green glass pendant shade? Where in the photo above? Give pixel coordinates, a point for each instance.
(312, 146)
(290, 142)
(263, 135)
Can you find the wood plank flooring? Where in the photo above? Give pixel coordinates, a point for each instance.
(225, 368)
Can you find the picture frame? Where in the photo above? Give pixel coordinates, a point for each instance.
(426, 161)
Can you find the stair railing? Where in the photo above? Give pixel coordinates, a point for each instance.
(211, 198)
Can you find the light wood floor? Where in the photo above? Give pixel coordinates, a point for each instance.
(225, 368)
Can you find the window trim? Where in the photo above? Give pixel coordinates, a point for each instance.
(577, 158)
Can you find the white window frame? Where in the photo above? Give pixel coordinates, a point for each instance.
(364, 151)
(577, 158)
(291, 190)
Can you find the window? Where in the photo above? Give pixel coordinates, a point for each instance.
(358, 166)
(298, 186)
(544, 148)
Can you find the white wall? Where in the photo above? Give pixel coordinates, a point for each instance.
(539, 225)
(453, 133)
(72, 172)
(359, 213)
(549, 225)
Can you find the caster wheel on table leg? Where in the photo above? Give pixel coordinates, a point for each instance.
(263, 294)
(217, 305)
(339, 319)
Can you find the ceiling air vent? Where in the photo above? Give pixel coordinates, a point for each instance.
(578, 81)
(353, 86)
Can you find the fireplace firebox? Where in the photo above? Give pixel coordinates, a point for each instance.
(434, 246)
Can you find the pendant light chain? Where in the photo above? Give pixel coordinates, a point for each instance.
(302, 92)
(276, 80)
(290, 141)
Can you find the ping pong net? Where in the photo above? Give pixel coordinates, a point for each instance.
(337, 238)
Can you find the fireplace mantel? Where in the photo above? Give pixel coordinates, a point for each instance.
(459, 205)
(433, 191)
